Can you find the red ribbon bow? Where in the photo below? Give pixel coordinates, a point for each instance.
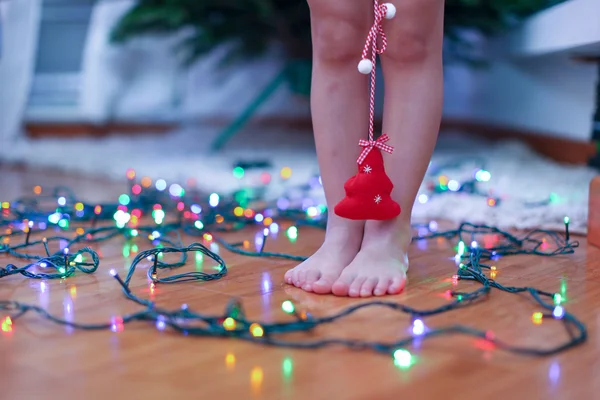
(369, 144)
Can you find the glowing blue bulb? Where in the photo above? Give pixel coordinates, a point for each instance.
(474, 244)
(176, 190)
(213, 200)
(433, 226)
(62, 201)
(43, 265)
(266, 232)
(113, 272)
(259, 218)
(155, 235)
(196, 209)
(418, 327)
(558, 312)
(161, 185)
(453, 186)
(160, 323)
(283, 203)
(274, 227)
(423, 198)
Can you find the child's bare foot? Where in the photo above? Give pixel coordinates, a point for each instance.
(319, 272)
(380, 266)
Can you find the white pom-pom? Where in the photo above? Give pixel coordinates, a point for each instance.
(365, 67)
(391, 11)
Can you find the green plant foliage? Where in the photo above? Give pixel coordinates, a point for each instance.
(250, 27)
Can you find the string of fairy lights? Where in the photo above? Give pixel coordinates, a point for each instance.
(162, 216)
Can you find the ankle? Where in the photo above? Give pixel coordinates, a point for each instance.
(344, 232)
(393, 235)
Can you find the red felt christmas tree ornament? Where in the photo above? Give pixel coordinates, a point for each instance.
(368, 194)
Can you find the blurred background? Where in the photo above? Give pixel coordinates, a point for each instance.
(188, 90)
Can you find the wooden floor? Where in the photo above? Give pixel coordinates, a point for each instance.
(42, 360)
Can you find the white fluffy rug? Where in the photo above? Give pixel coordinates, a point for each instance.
(519, 177)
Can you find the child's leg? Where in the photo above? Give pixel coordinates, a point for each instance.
(340, 107)
(412, 67)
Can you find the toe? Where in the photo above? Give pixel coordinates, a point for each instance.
(300, 278)
(397, 285)
(289, 276)
(367, 288)
(324, 284)
(355, 286)
(311, 277)
(382, 286)
(342, 285)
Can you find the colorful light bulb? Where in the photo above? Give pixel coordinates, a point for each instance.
(537, 318)
(256, 330)
(418, 327)
(558, 312)
(288, 307)
(402, 358)
(229, 324)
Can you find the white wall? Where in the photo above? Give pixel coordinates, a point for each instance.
(19, 35)
(550, 94)
(533, 82)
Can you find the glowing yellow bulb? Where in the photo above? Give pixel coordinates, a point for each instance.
(219, 219)
(256, 330)
(7, 325)
(208, 237)
(537, 318)
(246, 244)
(73, 291)
(238, 211)
(37, 190)
(286, 172)
(493, 267)
(79, 231)
(230, 360)
(493, 274)
(79, 206)
(256, 378)
(5, 205)
(229, 324)
(268, 221)
(443, 180)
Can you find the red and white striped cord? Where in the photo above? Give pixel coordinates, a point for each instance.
(369, 66)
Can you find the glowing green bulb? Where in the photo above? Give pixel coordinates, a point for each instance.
(288, 307)
(63, 223)
(62, 270)
(461, 248)
(459, 297)
(124, 199)
(238, 172)
(199, 225)
(134, 232)
(557, 298)
(79, 258)
(567, 220)
(402, 358)
(287, 367)
(292, 233)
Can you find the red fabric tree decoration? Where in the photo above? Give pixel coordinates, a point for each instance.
(368, 194)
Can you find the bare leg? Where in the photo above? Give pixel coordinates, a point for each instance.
(412, 67)
(340, 109)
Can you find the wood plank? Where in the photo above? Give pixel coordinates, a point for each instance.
(40, 359)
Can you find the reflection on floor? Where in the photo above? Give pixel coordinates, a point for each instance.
(138, 361)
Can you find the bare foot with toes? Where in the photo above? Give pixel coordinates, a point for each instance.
(320, 271)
